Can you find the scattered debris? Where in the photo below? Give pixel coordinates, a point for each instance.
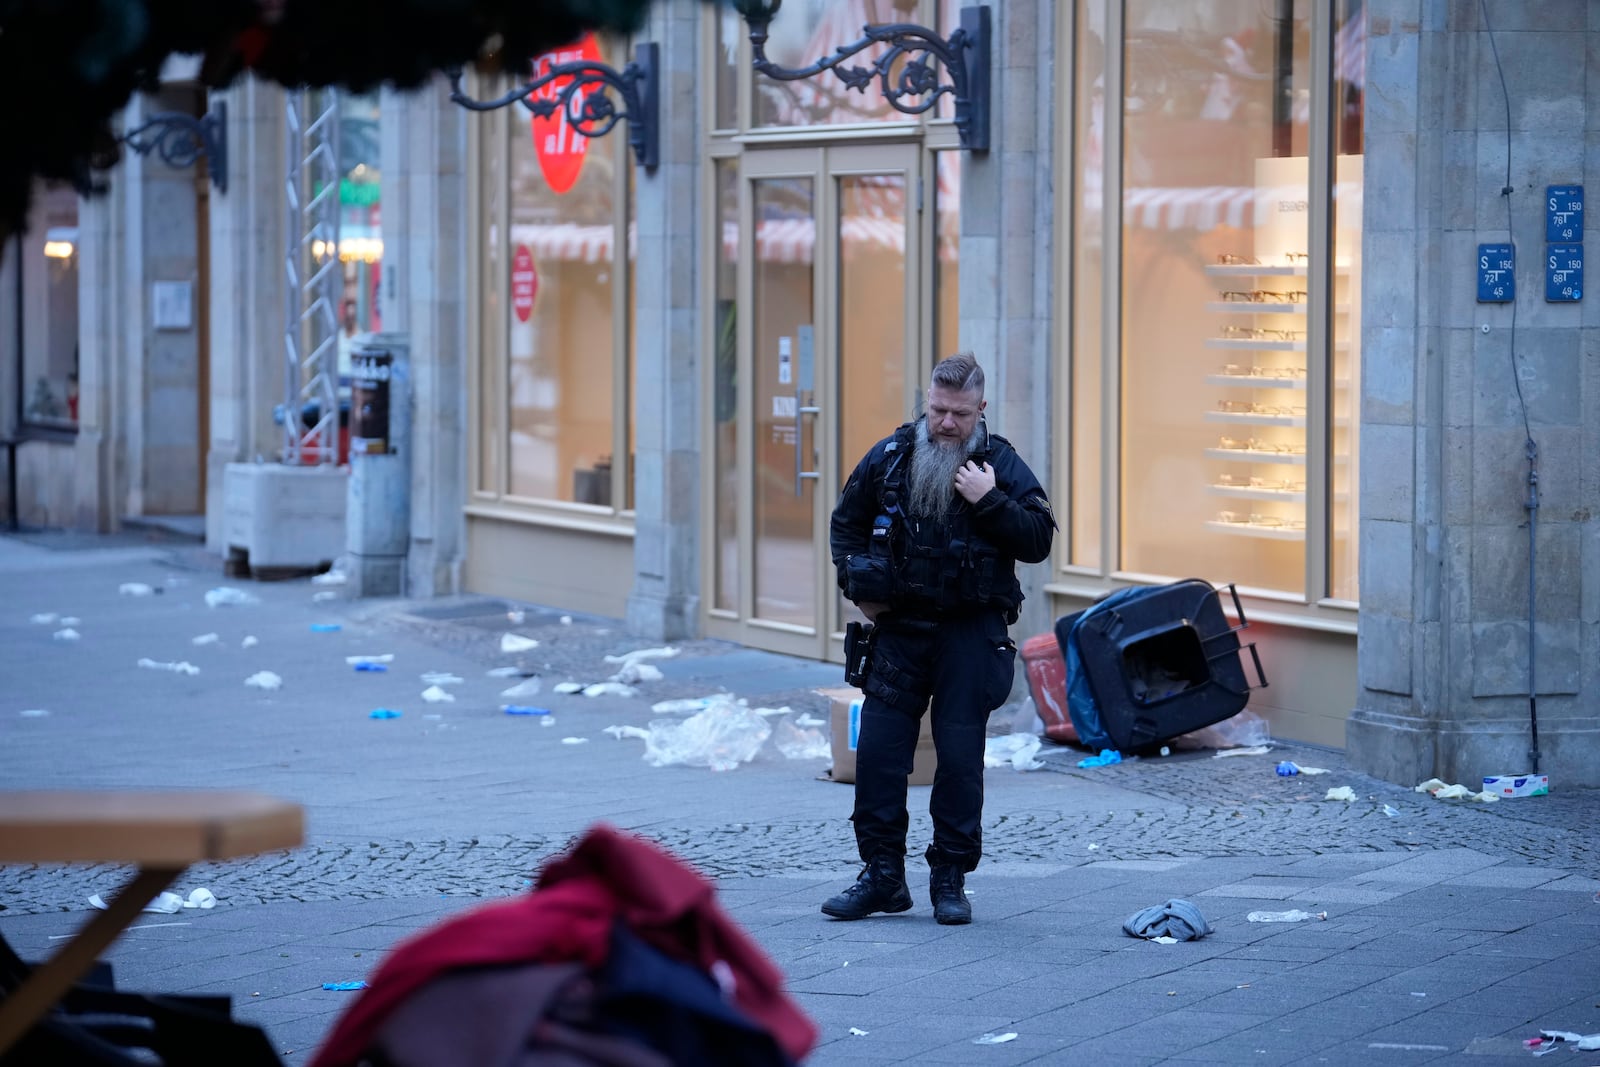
(810, 720)
(169, 903)
(228, 596)
(686, 706)
(513, 643)
(33, 713)
(1517, 785)
(566, 620)
(205, 639)
(1440, 791)
(856, 1031)
(249, 642)
(516, 616)
(1016, 749)
(505, 672)
(619, 732)
(574, 740)
(523, 709)
(609, 689)
(435, 695)
(1343, 792)
(441, 678)
(387, 657)
(1165, 751)
(721, 737)
(1391, 812)
(634, 673)
(1584, 1042)
(324, 596)
(383, 713)
(134, 589)
(994, 1039)
(1295, 768)
(1287, 769)
(69, 634)
(264, 680)
(526, 688)
(569, 687)
(373, 668)
(183, 667)
(334, 577)
(343, 987)
(1094, 848)
(1294, 916)
(794, 742)
(44, 618)
(1253, 750)
(1176, 918)
(1107, 757)
(1246, 729)
(1165, 940)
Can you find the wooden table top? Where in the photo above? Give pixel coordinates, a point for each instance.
(145, 828)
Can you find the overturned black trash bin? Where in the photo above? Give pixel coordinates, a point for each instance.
(1159, 662)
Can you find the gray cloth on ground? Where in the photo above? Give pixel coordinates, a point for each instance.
(1175, 918)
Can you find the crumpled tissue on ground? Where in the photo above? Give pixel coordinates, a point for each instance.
(639, 655)
(686, 706)
(609, 689)
(69, 634)
(264, 680)
(1176, 918)
(513, 643)
(634, 673)
(797, 742)
(435, 695)
(1440, 791)
(1253, 750)
(1343, 792)
(183, 667)
(1016, 749)
(168, 903)
(721, 737)
(134, 589)
(226, 595)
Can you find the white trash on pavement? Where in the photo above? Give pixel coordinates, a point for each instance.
(435, 695)
(526, 688)
(513, 643)
(609, 689)
(45, 618)
(1343, 792)
(639, 655)
(1253, 750)
(721, 737)
(1016, 749)
(330, 578)
(574, 740)
(356, 661)
(1440, 791)
(795, 742)
(264, 680)
(168, 903)
(442, 678)
(134, 589)
(206, 639)
(69, 634)
(249, 642)
(324, 596)
(1295, 916)
(994, 1039)
(569, 687)
(228, 596)
(686, 706)
(634, 673)
(182, 667)
(33, 713)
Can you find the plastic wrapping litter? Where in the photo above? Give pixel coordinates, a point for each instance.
(514, 643)
(1343, 792)
(69, 634)
(435, 695)
(687, 706)
(226, 595)
(264, 680)
(1017, 750)
(1295, 916)
(796, 742)
(45, 618)
(609, 689)
(526, 688)
(1244, 730)
(721, 737)
(634, 673)
(135, 589)
(205, 639)
(184, 667)
(639, 655)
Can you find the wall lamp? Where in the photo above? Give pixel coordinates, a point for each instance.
(916, 88)
(588, 112)
(180, 139)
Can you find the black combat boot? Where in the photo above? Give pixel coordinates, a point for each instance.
(881, 887)
(947, 890)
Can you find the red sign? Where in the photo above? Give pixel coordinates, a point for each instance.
(524, 283)
(561, 148)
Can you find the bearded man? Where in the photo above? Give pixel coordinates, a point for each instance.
(926, 537)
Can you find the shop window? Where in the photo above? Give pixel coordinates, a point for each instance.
(360, 222)
(42, 284)
(563, 266)
(725, 388)
(806, 30)
(1234, 361)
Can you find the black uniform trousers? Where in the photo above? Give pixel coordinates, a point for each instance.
(966, 664)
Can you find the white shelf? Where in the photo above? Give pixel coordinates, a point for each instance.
(1254, 381)
(1256, 270)
(1256, 344)
(1251, 455)
(1250, 418)
(1243, 307)
(1245, 529)
(1251, 492)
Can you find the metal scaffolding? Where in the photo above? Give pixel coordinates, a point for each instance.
(314, 279)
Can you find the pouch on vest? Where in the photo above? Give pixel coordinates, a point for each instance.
(858, 641)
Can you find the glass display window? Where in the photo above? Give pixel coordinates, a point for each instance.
(40, 302)
(1226, 391)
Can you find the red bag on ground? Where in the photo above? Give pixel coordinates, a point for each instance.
(1047, 681)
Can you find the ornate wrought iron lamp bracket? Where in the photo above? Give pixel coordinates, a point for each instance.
(916, 88)
(589, 112)
(180, 139)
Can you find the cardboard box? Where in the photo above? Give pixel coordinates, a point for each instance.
(1517, 785)
(844, 722)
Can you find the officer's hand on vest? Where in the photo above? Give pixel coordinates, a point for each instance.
(974, 481)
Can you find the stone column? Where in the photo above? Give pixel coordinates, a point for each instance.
(425, 248)
(1444, 650)
(100, 300)
(665, 603)
(248, 246)
(1007, 258)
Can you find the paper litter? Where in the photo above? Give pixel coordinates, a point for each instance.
(1342, 792)
(686, 706)
(619, 732)
(134, 589)
(330, 578)
(1253, 750)
(639, 655)
(387, 657)
(1440, 791)
(1305, 770)
(1584, 1042)
(435, 695)
(609, 689)
(513, 643)
(249, 642)
(574, 740)
(183, 667)
(569, 687)
(856, 1031)
(566, 620)
(634, 673)
(527, 688)
(227, 595)
(994, 1039)
(69, 634)
(1294, 916)
(206, 639)
(169, 903)
(516, 616)
(43, 619)
(264, 680)
(441, 678)
(1017, 750)
(505, 672)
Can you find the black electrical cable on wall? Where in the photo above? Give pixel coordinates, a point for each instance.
(1530, 447)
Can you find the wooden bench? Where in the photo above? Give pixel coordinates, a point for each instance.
(160, 833)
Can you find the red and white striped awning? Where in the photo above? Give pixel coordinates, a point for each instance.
(1206, 207)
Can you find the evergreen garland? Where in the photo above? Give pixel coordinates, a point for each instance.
(68, 66)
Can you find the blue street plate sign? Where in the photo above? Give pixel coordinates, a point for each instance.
(1563, 273)
(1563, 207)
(1496, 264)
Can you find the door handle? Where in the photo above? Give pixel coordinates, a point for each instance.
(801, 475)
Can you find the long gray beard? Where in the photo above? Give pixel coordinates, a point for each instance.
(933, 473)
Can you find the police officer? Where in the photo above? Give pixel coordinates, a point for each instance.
(925, 538)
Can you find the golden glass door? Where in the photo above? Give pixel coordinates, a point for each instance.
(830, 275)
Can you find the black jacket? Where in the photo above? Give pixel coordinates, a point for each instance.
(924, 568)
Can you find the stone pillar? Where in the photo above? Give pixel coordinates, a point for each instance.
(100, 362)
(665, 602)
(1007, 257)
(1443, 659)
(425, 248)
(248, 246)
